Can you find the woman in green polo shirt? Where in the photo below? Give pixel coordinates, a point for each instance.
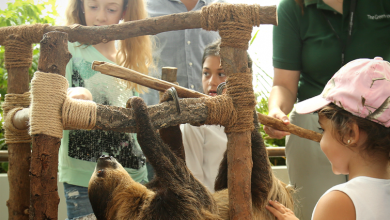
(313, 39)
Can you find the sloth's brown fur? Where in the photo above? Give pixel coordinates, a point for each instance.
(175, 193)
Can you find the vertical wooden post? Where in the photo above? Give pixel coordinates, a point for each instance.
(19, 154)
(44, 197)
(235, 61)
(172, 135)
(168, 74)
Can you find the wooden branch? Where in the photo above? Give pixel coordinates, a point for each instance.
(19, 154)
(239, 155)
(44, 198)
(162, 115)
(142, 79)
(272, 152)
(168, 74)
(4, 157)
(276, 151)
(21, 119)
(293, 129)
(148, 26)
(171, 136)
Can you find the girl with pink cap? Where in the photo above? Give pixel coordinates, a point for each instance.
(354, 115)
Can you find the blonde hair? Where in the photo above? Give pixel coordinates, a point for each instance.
(134, 53)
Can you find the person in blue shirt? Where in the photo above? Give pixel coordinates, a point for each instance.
(182, 49)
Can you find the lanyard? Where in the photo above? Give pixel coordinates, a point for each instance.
(343, 46)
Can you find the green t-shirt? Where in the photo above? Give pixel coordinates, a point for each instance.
(307, 43)
(80, 149)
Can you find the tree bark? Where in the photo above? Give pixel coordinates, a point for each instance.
(239, 153)
(197, 113)
(163, 115)
(44, 197)
(148, 26)
(19, 154)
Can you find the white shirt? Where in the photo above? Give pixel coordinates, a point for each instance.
(204, 148)
(370, 196)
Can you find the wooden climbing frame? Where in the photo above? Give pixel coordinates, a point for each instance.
(33, 188)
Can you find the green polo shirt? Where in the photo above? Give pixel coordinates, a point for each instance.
(307, 43)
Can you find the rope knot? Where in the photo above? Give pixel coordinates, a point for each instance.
(234, 110)
(18, 52)
(234, 22)
(48, 95)
(220, 110)
(12, 104)
(241, 92)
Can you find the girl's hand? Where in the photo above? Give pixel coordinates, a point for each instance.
(280, 211)
(79, 93)
(273, 133)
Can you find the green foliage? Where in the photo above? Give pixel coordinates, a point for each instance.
(262, 107)
(22, 12)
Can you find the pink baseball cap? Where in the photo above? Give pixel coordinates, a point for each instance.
(361, 87)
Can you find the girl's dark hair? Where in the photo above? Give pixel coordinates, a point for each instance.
(378, 136)
(213, 49)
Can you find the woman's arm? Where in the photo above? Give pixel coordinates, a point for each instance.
(282, 98)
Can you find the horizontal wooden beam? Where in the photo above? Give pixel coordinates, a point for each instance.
(276, 151)
(148, 26)
(272, 152)
(3, 155)
(165, 115)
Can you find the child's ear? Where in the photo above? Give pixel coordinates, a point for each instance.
(354, 134)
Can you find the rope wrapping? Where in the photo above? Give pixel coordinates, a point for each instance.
(18, 52)
(234, 22)
(220, 110)
(48, 95)
(216, 13)
(52, 110)
(234, 110)
(235, 34)
(30, 33)
(12, 104)
(244, 101)
(79, 114)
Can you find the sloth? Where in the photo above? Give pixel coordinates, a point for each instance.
(174, 193)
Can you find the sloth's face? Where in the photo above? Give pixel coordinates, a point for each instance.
(108, 176)
(108, 172)
(104, 164)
